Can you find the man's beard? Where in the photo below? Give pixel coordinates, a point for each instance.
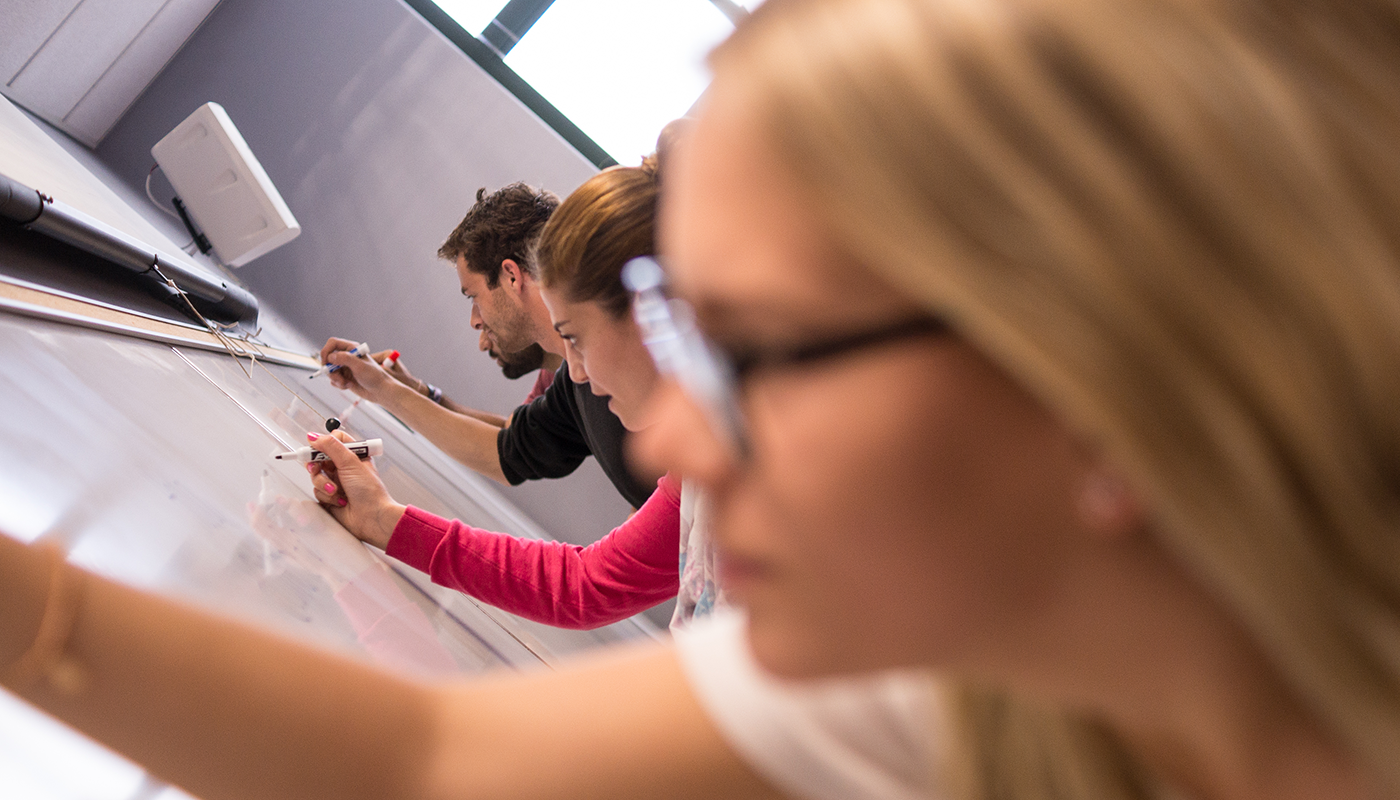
(522, 363)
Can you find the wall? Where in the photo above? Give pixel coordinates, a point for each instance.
(378, 132)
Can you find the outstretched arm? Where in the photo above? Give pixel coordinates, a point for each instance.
(494, 420)
(227, 711)
(209, 704)
(400, 373)
(633, 568)
(469, 438)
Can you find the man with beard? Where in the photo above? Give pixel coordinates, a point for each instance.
(518, 365)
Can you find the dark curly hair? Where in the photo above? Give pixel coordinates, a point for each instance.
(501, 225)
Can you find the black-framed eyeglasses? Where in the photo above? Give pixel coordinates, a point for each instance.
(711, 375)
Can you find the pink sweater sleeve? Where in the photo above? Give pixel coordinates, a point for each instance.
(628, 571)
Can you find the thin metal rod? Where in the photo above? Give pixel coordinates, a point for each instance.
(254, 417)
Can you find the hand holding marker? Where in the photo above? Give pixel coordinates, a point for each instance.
(347, 484)
(333, 423)
(366, 449)
(398, 373)
(356, 351)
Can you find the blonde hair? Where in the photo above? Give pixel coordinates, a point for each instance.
(1177, 223)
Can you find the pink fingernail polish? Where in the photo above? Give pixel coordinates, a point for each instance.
(330, 488)
(311, 437)
(342, 502)
(311, 468)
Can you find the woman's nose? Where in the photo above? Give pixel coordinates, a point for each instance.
(577, 373)
(678, 438)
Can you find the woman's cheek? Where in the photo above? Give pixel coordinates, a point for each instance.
(803, 502)
(830, 448)
(846, 493)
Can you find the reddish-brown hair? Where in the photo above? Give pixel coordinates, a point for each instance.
(605, 223)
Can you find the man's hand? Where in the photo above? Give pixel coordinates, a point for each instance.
(465, 434)
(361, 375)
(351, 490)
(400, 373)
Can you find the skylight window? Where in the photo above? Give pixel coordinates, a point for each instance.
(473, 15)
(607, 74)
(621, 69)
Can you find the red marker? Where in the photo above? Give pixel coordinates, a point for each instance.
(391, 360)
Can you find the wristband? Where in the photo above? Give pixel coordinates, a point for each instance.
(434, 393)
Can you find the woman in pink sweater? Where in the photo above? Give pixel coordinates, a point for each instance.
(607, 221)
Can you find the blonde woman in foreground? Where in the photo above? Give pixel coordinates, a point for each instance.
(1138, 504)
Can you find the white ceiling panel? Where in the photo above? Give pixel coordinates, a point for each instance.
(82, 69)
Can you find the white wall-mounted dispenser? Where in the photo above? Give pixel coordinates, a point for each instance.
(226, 190)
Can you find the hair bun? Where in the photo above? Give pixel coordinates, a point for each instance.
(671, 136)
(651, 166)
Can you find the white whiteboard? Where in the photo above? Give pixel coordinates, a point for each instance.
(144, 458)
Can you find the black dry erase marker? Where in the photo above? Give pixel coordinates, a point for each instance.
(366, 449)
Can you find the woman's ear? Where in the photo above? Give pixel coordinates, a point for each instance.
(1108, 506)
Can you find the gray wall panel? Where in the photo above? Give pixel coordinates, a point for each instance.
(378, 132)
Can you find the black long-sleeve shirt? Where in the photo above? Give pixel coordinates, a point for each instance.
(552, 435)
